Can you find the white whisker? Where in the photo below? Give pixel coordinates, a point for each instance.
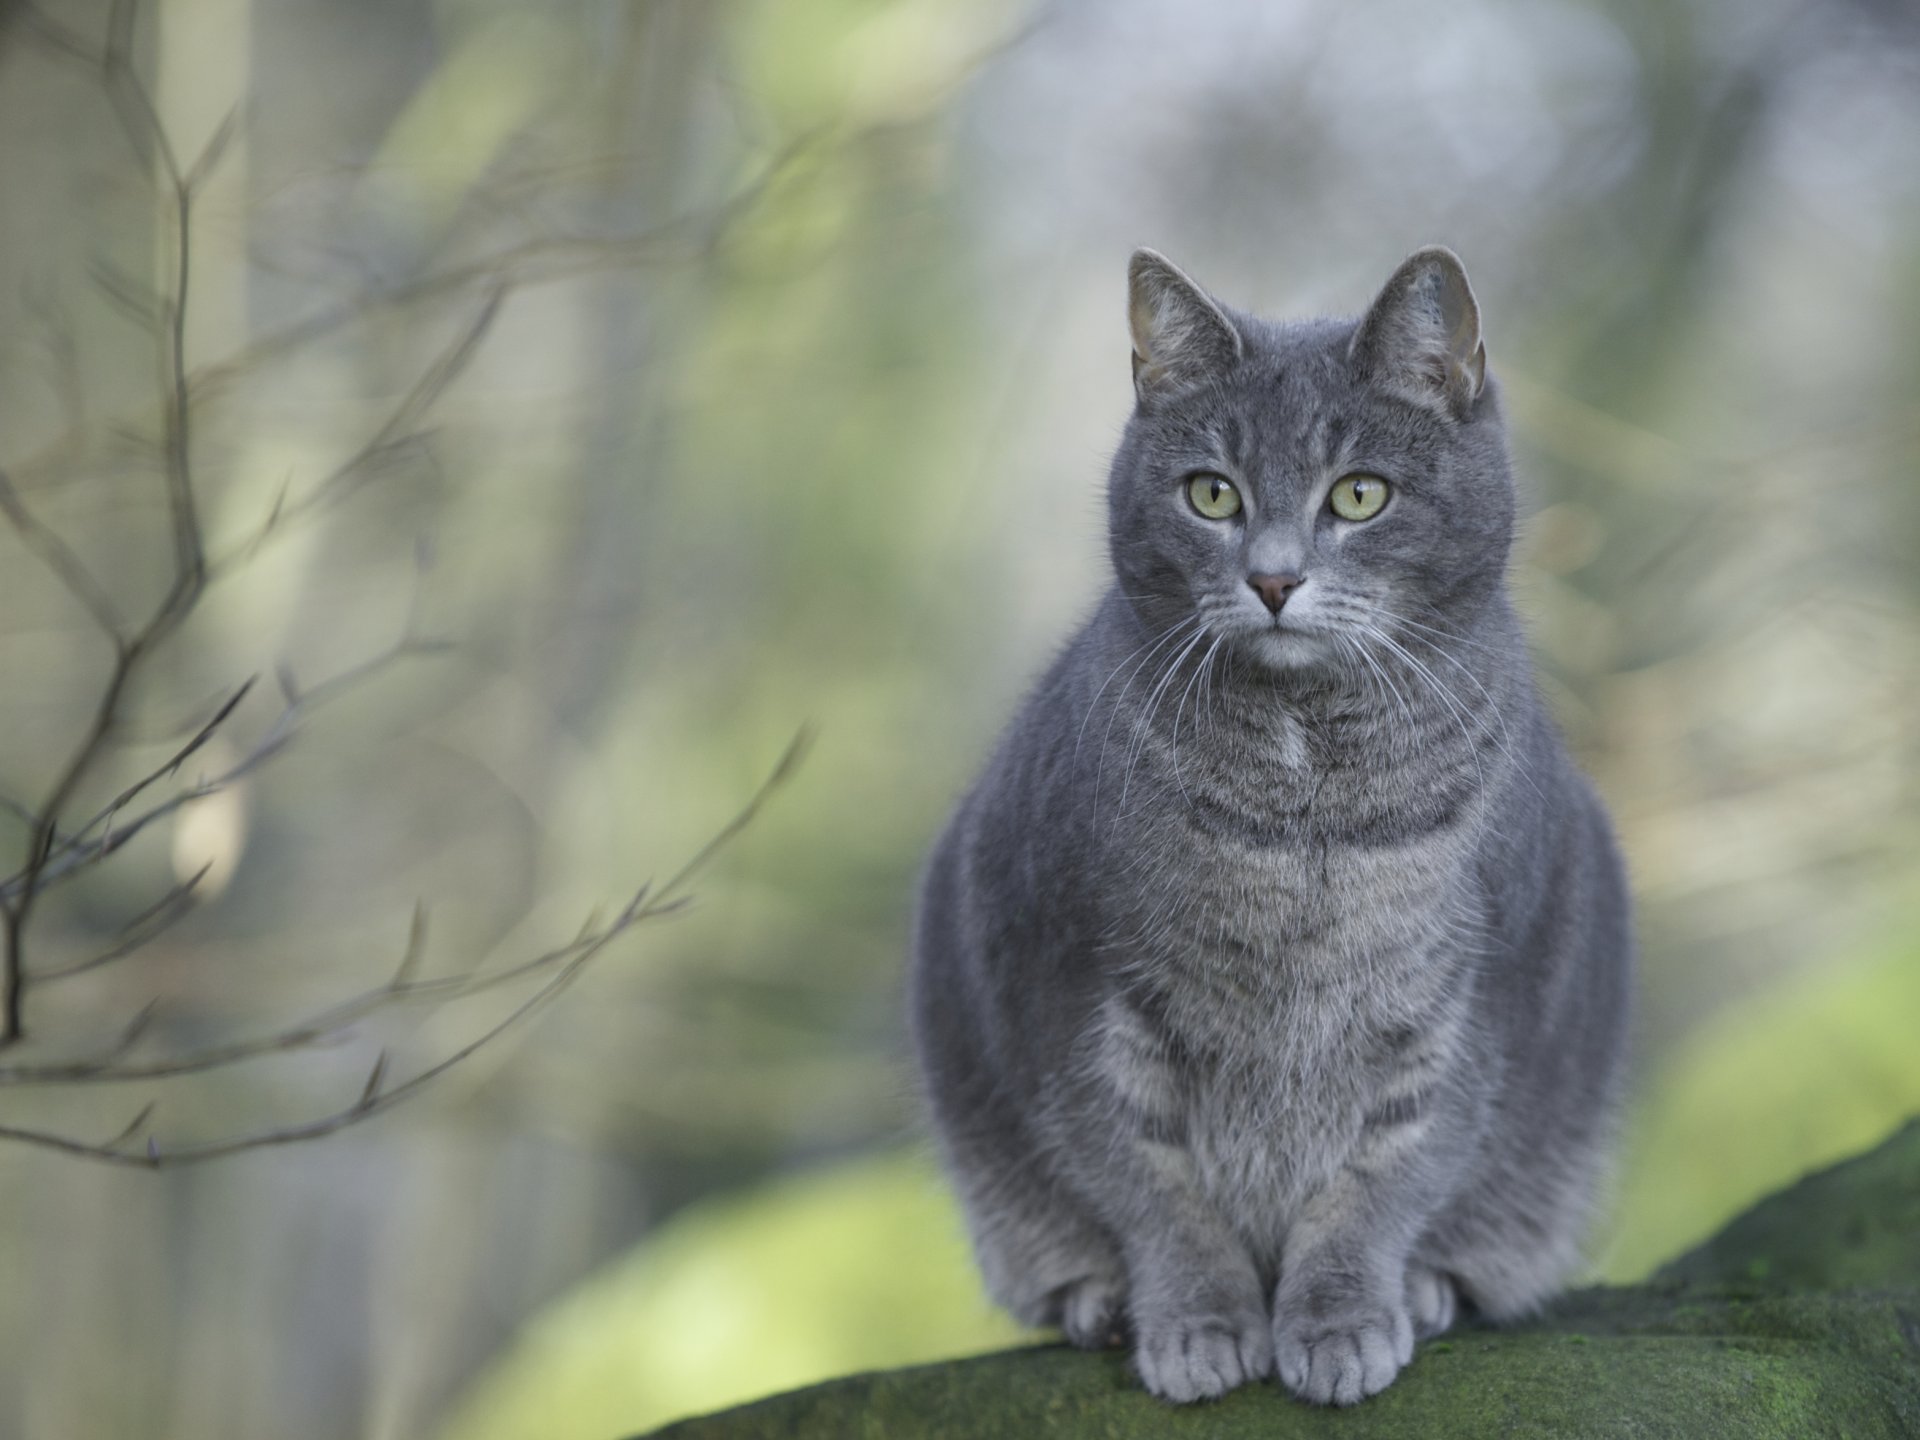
(1202, 670)
(1455, 707)
(1500, 739)
(1143, 727)
(1149, 648)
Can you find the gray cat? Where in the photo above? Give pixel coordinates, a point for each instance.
(1271, 985)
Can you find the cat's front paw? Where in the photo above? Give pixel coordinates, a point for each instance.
(1093, 1312)
(1341, 1357)
(1432, 1302)
(1200, 1357)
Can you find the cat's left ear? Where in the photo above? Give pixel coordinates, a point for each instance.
(1181, 336)
(1421, 340)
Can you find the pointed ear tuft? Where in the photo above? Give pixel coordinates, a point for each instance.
(1181, 336)
(1421, 339)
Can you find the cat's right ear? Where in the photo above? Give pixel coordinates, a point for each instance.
(1181, 336)
(1421, 339)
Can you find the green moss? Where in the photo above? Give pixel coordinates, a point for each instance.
(1857, 1223)
(1714, 1345)
(1515, 1384)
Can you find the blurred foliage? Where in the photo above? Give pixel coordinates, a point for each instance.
(797, 410)
(1802, 1074)
(862, 1266)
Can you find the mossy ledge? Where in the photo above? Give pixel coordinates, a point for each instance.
(1800, 1319)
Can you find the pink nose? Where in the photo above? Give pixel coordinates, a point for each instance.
(1273, 590)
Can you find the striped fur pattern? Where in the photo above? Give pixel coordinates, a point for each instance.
(1271, 984)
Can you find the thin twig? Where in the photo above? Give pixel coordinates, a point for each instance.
(394, 433)
(137, 933)
(144, 132)
(172, 766)
(565, 962)
(543, 260)
(59, 557)
(783, 769)
(84, 847)
(110, 1068)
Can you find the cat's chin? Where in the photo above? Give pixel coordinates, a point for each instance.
(1287, 649)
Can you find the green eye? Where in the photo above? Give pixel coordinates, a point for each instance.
(1213, 495)
(1358, 497)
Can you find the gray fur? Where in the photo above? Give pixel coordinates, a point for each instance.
(1271, 984)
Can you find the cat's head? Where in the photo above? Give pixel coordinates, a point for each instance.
(1290, 485)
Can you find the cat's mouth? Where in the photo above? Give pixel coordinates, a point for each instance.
(1285, 645)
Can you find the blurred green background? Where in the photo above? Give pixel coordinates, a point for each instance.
(797, 409)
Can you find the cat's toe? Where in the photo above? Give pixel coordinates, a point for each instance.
(1343, 1361)
(1201, 1357)
(1432, 1302)
(1093, 1313)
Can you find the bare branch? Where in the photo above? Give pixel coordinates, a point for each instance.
(783, 769)
(62, 39)
(145, 133)
(416, 948)
(83, 848)
(134, 1126)
(109, 1067)
(525, 264)
(212, 153)
(135, 1028)
(189, 561)
(394, 435)
(543, 260)
(172, 766)
(372, 1090)
(139, 122)
(139, 932)
(562, 965)
(371, 1102)
(129, 296)
(56, 849)
(53, 328)
(58, 556)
